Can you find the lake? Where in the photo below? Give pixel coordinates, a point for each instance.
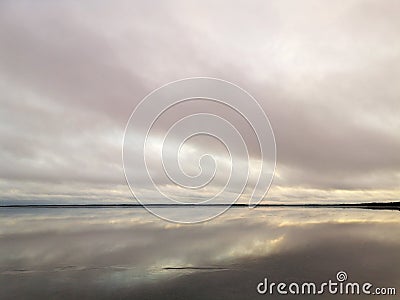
(127, 253)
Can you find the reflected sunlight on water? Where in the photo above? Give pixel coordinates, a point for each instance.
(126, 252)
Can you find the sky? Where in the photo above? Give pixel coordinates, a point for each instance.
(326, 73)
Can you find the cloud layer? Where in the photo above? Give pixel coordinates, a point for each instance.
(326, 73)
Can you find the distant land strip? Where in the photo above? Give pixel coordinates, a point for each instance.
(370, 205)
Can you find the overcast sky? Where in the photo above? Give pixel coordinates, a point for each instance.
(326, 73)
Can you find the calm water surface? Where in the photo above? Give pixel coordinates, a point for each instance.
(126, 253)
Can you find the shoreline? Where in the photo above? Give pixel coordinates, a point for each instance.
(372, 205)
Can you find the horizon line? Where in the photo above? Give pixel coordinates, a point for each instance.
(363, 204)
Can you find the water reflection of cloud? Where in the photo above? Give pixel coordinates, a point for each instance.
(116, 249)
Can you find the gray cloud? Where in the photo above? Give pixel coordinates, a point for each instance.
(326, 74)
